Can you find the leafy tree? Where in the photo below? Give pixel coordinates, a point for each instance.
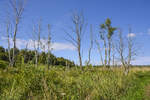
(106, 34)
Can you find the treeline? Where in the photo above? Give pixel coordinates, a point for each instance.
(28, 57)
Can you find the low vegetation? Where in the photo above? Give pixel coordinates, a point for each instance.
(60, 83)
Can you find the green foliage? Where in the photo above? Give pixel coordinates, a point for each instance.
(28, 57)
(2, 50)
(73, 84)
(102, 26)
(3, 56)
(3, 64)
(64, 62)
(107, 27)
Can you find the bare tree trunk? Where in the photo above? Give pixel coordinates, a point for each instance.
(100, 52)
(130, 47)
(121, 48)
(109, 52)
(36, 58)
(37, 41)
(49, 45)
(130, 51)
(8, 40)
(113, 55)
(91, 45)
(105, 46)
(14, 44)
(79, 54)
(35, 52)
(35, 45)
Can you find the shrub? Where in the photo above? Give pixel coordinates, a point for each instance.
(3, 64)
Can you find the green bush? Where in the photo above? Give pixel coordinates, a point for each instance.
(3, 64)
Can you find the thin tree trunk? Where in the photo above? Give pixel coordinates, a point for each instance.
(79, 54)
(91, 45)
(8, 40)
(49, 43)
(113, 55)
(109, 51)
(36, 58)
(14, 44)
(99, 49)
(105, 62)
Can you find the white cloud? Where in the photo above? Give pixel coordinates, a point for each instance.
(55, 45)
(131, 35)
(62, 46)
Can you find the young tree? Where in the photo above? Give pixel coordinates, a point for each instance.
(106, 34)
(77, 30)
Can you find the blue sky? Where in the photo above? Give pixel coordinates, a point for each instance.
(57, 13)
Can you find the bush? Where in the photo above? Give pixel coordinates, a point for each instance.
(3, 56)
(3, 64)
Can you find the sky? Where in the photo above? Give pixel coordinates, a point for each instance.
(123, 13)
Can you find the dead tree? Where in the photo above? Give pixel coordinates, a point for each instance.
(121, 49)
(91, 45)
(18, 8)
(132, 51)
(126, 52)
(77, 30)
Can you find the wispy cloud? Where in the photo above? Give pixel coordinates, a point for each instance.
(21, 43)
(131, 35)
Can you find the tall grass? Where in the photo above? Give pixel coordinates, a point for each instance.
(31, 83)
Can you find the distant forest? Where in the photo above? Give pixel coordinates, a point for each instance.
(25, 56)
